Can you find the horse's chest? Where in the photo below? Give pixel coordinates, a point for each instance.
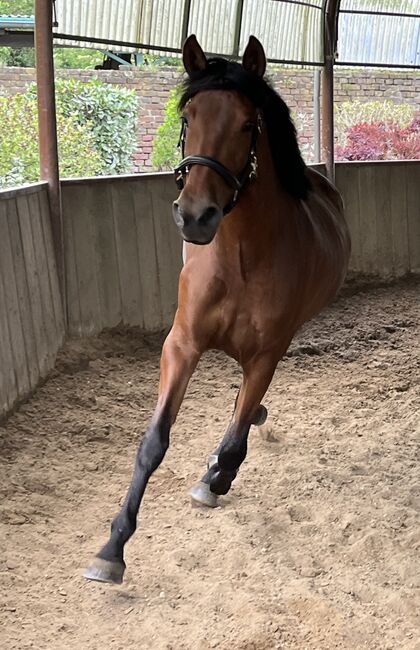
(247, 316)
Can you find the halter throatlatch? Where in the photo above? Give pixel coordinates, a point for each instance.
(237, 183)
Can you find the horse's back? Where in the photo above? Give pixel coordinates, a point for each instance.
(321, 184)
(327, 242)
(326, 208)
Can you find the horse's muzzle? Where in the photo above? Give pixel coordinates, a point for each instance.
(199, 229)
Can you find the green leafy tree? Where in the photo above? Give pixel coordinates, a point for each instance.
(22, 57)
(64, 57)
(19, 157)
(17, 7)
(96, 131)
(165, 153)
(108, 112)
(76, 58)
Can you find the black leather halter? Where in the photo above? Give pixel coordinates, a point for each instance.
(237, 183)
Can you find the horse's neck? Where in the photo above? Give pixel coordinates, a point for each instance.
(259, 218)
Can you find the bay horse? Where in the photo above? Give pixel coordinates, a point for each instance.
(267, 248)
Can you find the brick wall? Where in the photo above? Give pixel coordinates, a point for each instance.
(295, 86)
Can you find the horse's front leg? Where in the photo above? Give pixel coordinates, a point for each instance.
(227, 458)
(178, 361)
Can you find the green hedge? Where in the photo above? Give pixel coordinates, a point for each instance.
(96, 126)
(19, 159)
(17, 7)
(349, 113)
(110, 114)
(165, 154)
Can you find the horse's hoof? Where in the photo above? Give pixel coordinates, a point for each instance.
(212, 460)
(202, 495)
(260, 416)
(105, 571)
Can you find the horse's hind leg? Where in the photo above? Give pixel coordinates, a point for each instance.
(177, 365)
(260, 418)
(225, 461)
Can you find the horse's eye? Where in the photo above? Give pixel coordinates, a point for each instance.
(248, 126)
(184, 120)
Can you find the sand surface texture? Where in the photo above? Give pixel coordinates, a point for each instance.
(316, 546)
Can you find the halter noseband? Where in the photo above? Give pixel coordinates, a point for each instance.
(237, 183)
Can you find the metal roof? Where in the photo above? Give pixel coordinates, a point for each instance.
(21, 22)
(17, 31)
(221, 26)
(370, 32)
(379, 32)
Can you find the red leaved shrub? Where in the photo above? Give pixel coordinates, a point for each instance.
(381, 141)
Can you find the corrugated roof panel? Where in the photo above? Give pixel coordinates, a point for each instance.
(107, 19)
(288, 30)
(371, 38)
(389, 6)
(387, 40)
(213, 22)
(165, 23)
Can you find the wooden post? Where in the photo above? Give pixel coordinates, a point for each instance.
(317, 115)
(328, 117)
(330, 40)
(47, 125)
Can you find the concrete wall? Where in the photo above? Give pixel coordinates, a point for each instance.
(31, 317)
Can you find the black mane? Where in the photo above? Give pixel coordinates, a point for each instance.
(221, 74)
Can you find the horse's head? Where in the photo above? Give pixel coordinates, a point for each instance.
(219, 134)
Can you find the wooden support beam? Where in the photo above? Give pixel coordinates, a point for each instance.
(330, 42)
(317, 115)
(47, 125)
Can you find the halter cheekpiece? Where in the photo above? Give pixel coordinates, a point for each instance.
(237, 183)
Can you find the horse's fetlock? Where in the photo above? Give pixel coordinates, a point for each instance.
(229, 461)
(221, 480)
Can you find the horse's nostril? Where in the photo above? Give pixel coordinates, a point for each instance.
(178, 214)
(207, 216)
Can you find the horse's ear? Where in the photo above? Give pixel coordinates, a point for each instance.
(193, 56)
(253, 59)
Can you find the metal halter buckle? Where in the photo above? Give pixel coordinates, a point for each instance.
(253, 174)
